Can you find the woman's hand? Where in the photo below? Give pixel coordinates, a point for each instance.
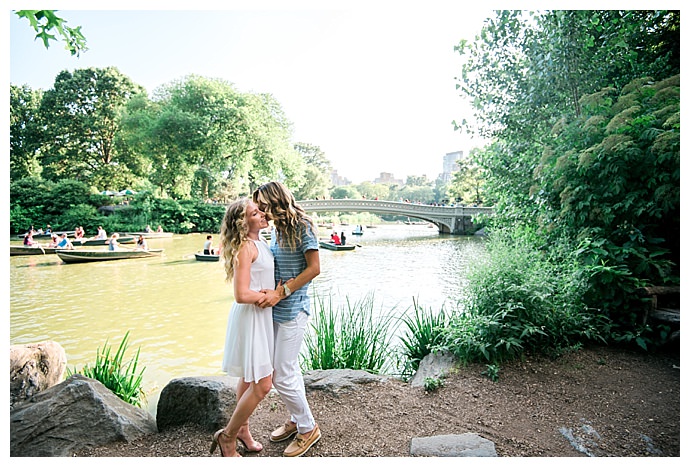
(271, 297)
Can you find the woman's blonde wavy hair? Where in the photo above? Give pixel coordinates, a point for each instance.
(233, 232)
(288, 217)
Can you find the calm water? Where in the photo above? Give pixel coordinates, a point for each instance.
(176, 308)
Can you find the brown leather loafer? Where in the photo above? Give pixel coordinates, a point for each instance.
(302, 443)
(284, 432)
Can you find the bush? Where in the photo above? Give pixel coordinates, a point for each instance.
(519, 301)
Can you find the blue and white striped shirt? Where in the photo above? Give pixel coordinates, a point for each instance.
(288, 265)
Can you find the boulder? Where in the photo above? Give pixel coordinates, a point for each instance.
(434, 365)
(35, 368)
(339, 380)
(204, 401)
(76, 414)
(465, 445)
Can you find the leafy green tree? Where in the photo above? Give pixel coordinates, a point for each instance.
(526, 71)
(345, 192)
(581, 108)
(316, 173)
(25, 132)
(374, 190)
(467, 183)
(46, 22)
(202, 134)
(82, 114)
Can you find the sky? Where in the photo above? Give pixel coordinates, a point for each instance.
(371, 84)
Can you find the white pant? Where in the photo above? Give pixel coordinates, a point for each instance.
(287, 377)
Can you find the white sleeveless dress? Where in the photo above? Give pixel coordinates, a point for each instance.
(249, 336)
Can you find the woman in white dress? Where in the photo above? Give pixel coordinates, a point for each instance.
(249, 338)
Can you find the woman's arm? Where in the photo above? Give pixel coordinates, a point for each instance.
(242, 277)
(312, 270)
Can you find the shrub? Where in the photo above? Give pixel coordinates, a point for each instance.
(520, 301)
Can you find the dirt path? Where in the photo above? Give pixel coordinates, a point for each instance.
(597, 402)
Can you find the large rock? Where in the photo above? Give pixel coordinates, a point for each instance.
(434, 365)
(35, 368)
(339, 380)
(76, 414)
(465, 445)
(205, 401)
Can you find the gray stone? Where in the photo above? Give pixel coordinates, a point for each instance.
(35, 368)
(465, 445)
(76, 414)
(434, 365)
(206, 401)
(339, 380)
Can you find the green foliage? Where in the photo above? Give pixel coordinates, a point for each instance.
(46, 22)
(522, 301)
(81, 215)
(491, 372)
(82, 118)
(350, 336)
(423, 332)
(432, 384)
(115, 374)
(583, 111)
(25, 132)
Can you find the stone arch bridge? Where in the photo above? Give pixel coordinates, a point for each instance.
(449, 219)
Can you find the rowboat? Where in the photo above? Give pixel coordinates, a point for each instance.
(88, 256)
(48, 236)
(100, 241)
(333, 246)
(31, 250)
(203, 257)
(150, 234)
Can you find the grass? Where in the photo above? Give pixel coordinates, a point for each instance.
(424, 331)
(120, 377)
(348, 336)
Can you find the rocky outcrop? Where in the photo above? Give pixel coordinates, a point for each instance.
(339, 380)
(76, 414)
(206, 401)
(433, 365)
(35, 368)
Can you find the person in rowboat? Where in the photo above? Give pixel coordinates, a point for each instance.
(141, 243)
(65, 243)
(113, 245)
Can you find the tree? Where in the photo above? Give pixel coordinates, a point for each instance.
(82, 117)
(581, 108)
(25, 132)
(202, 133)
(45, 21)
(526, 71)
(468, 182)
(317, 173)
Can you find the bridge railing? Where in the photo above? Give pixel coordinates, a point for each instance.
(396, 206)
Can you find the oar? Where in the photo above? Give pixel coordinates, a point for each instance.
(357, 244)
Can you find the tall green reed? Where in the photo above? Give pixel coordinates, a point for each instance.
(121, 378)
(424, 331)
(349, 336)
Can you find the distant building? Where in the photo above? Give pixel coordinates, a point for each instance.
(337, 180)
(387, 178)
(450, 164)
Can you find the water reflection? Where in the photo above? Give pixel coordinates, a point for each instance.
(176, 308)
